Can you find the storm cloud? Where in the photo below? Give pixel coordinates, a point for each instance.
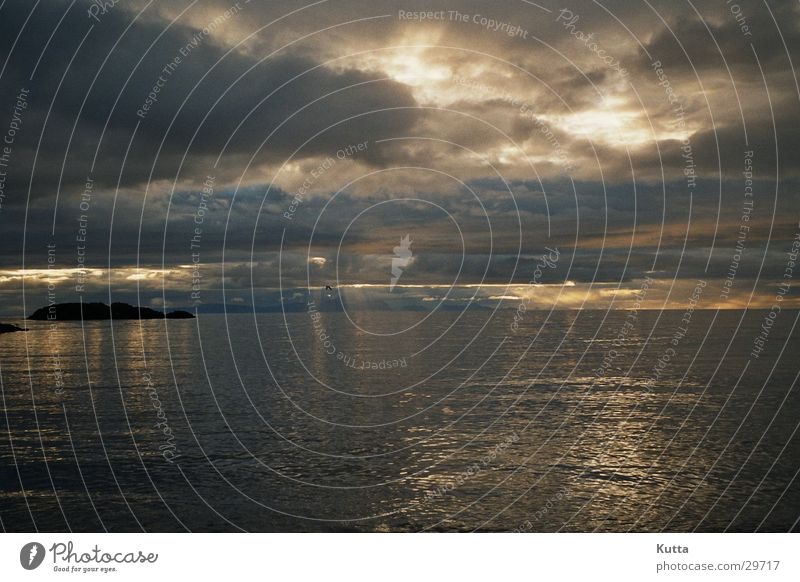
(279, 146)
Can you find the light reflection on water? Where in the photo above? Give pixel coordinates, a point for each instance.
(481, 430)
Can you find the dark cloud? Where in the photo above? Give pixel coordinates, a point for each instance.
(521, 141)
(211, 98)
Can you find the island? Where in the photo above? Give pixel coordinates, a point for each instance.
(101, 311)
(8, 328)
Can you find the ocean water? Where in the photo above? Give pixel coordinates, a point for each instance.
(403, 421)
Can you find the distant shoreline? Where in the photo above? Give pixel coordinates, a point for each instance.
(289, 310)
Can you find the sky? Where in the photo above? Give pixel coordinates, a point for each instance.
(579, 155)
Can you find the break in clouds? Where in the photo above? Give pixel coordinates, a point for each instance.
(249, 150)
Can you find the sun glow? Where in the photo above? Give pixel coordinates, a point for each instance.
(409, 67)
(410, 62)
(613, 122)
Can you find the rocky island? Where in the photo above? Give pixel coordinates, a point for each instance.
(8, 328)
(101, 311)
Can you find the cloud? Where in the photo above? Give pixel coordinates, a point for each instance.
(156, 100)
(484, 146)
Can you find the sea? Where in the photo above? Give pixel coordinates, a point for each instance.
(395, 421)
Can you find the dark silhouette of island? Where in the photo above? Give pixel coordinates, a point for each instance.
(101, 311)
(8, 328)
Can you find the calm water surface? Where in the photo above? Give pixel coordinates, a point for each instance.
(400, 421)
